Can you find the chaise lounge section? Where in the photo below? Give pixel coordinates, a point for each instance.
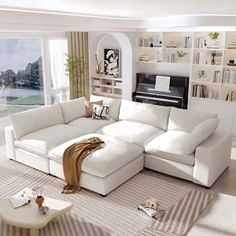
(177, 142)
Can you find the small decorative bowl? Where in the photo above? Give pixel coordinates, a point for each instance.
(43, 210)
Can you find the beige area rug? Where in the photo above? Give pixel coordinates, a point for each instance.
(115, 214)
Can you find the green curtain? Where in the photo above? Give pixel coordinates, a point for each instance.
(78, 47)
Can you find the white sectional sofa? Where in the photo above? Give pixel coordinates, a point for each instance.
(177, 142)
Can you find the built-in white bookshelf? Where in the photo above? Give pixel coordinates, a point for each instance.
(211, 63)
(168, 47)
(106, 85)
(213, 73)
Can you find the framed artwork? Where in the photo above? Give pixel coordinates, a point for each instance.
(112, 62)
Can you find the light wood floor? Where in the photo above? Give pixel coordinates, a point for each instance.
(220, 217)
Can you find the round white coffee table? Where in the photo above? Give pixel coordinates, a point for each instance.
(29, 217)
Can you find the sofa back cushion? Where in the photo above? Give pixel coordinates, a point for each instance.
(29, 121)
(114, 105)
(73, 109)
(199, 134)
(156, 116)
(185, 120)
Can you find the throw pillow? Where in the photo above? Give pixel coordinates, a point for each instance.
(199, 134)
(114, 104)
(89, 107)
(101, 112)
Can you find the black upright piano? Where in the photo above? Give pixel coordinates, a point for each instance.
(176, 97)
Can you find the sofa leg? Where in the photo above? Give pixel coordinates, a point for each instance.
(103, 195)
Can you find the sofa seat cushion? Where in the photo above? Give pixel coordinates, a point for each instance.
(43, 140)
(89, 124)
(170, 146)
(130, 131)
(114, 154)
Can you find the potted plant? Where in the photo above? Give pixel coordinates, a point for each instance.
(180, 55)
(214, 36)
(76, 68)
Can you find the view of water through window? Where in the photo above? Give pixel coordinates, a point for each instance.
(21, 77)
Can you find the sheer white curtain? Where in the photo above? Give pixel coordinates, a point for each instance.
(59, 80)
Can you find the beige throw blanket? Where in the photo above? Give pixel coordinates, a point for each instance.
(72, 161)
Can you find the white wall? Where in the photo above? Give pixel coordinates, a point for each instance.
(165, 69)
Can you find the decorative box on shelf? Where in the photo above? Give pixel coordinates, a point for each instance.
(96, 89)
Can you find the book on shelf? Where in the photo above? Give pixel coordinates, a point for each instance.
(200, 58)
(217, 76)
(229, 76)
(199, 91)
(231, 96)
(201, 42)
(196, 58)
(151, 212)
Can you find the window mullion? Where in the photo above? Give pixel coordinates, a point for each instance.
(46, 71)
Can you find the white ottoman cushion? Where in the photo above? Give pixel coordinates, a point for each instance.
(115, 154)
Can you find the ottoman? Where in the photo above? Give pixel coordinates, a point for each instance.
(104, 169)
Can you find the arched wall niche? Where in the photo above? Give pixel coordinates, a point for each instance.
(126, 58)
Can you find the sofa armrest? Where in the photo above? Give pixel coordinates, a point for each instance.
(10, 142)
(211, 158)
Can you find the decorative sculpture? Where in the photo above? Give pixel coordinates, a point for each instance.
(39, 201)
(98, 66)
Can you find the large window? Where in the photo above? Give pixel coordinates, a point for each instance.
(21, 77)
(32, 72)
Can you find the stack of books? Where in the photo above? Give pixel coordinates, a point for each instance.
(151, 212)
(171, 44)
(232, 45)
(146, 58)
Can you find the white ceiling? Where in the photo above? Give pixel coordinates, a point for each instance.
(126, 8)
